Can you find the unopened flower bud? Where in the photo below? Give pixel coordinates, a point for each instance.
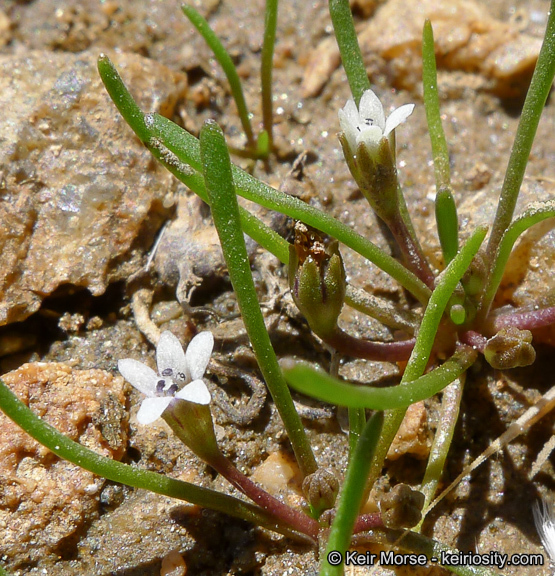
(321, 489)
(510, 348)
(317, 280)
(456, 307)
(475, 277)
(402, 507)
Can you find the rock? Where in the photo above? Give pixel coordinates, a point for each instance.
(78, 190)
(494, 55)
(45, 500)
(412, 436)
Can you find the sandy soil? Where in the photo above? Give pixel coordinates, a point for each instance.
(129, 533)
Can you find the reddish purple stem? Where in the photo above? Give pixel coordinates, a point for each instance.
(525, 320)
(283, 513)
(474, 339)
(359, 348)
(368, 522)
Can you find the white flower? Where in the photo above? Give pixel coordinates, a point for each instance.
(179, 374)
(544, 517)
(368, 123)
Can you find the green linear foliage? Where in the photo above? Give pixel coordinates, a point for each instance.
(185, 147)
(352, 493)
(317, 384)
(225, 212)
(445, 208)
(540, 86)
(431, 104)
(533, 214)
(225, 61)
(351, 56)
(266, 69)
(446, 283)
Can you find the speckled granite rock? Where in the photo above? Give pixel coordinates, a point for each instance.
(44, 501)
(76, 193)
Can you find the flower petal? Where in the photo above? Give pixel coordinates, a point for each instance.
(350, 113)
(371, 110)
(544, 517)
(143, 378)
(196, 392)
(152, 408)
(198, 354)
(398, 116)
(348, 119)
(170, 356)
(371, 136)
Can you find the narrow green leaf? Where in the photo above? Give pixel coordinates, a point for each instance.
(447, 224)
(163, 133)
(540, 86)
(69, 450)
(533, 214)
(266, 73)
(433, 114)
(446, 283)
(225, 212)
(225, 61)
(320, 385)
(349, 48)
(350, 499)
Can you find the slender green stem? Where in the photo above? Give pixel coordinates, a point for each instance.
(449, 416)
(185, 147)
(318, 384)
(162, 133)
(431, 105)
(541, 83)
(69, 450)
(349, 48)
(352, 493)
(447, 282)
(225, 61)
(225, 212)
(532, 215)
(267, 66)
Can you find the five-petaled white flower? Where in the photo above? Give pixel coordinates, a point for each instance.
(368, 123)
(179, 374)
(544, 517)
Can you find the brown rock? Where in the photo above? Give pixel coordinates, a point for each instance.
(45, 500)
(77, 188)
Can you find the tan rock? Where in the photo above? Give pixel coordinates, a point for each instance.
(78, 188)
(45, 500)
